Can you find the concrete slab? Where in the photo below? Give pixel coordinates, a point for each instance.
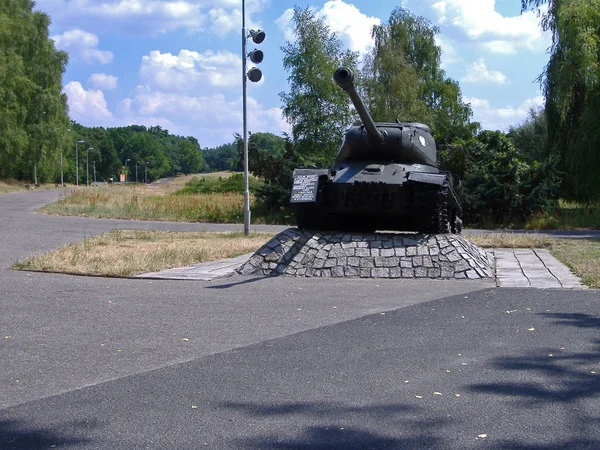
(535, 268)
(202, 271)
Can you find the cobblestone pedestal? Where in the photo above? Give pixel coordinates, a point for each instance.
(377, 255)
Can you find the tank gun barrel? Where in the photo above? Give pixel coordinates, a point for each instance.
(345, 79)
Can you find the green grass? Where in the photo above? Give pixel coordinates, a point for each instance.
(567, 216)
(221, 185)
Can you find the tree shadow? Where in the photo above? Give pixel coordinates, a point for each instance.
(566, 378)
(334, 426)
(16, 435)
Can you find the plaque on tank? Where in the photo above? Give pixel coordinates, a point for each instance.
(305, 188)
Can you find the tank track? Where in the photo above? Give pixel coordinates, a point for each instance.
(440, 220)
(444, 219)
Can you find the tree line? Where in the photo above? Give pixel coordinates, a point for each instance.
(139, 152)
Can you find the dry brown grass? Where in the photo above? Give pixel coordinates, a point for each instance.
(130, 252)
(8, 186)
(141, 202)
(151, 202)
(510, 240)
(582, 256)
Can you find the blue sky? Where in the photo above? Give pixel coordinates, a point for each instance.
(177, 63)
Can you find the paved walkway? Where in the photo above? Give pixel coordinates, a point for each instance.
(201, 271)
(535, 268)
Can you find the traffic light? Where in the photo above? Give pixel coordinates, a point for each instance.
(256, 55)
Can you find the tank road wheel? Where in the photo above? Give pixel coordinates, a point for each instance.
(440, 219)
(457, 224)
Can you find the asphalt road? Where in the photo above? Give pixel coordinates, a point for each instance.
(284, 363)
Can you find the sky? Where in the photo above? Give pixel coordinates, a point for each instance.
(178, 63)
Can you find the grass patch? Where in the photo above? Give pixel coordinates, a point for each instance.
(161, 201)
(582, 256)
(129, 252)
(234, 183)
(567, 216)
(8, 186)
(140, 203)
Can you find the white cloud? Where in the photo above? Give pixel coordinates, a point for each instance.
(151, 17)
(87, 107)
(478, 20)
(352, 26)
(501, 118)
(81, 44)
(190, 70)
(478, 72)
(224, 21)
(103, 81)
(284, 22)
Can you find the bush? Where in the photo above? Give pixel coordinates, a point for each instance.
(501, 188)
(220, 185)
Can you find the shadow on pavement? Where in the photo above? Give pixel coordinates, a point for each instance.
(16, 435)
(326, 432)
(238, 283)
(565, 378)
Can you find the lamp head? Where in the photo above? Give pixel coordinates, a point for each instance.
(258, 36)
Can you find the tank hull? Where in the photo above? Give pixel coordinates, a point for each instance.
(417, 201)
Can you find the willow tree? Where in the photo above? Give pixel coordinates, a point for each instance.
(403, 79)
(33, 109)
(315, 107)
(571, 83)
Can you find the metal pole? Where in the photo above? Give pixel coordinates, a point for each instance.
(35, 174)
(95, 172)
(245, 125)
(136, 163)
(77, 163)
(61, 169)
(87, 167)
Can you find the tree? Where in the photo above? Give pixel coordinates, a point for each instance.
(500, 185)
(190, 156)
(403, 80)
(33, 110)
(531, 137)
(571, 82)
(273, 159)
(315, 107)
(223, 157)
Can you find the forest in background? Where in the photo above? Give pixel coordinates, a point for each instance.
(553, 154)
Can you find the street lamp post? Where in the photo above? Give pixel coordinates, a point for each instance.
(126, 161)
(136, 163)
(77, 162)
(87, 166)
(254, 75)
(95, 172)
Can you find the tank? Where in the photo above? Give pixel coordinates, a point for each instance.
(385, 177)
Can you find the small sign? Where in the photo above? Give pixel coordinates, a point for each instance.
(305, 188)
(122, 178)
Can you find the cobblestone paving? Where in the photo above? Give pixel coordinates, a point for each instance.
(377, 255)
